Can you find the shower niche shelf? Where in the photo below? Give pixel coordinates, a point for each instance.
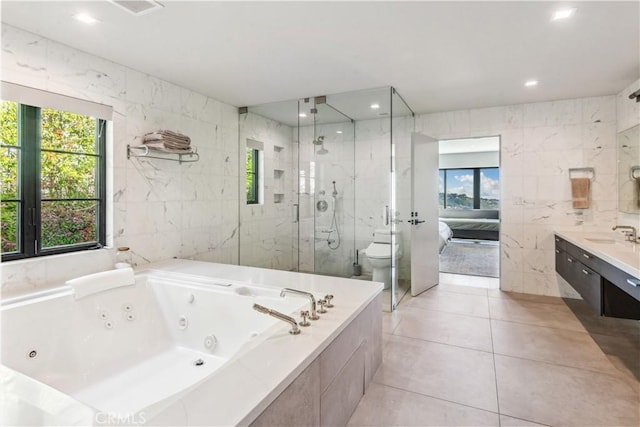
(278, 175)
(278, 186)
(151, 153)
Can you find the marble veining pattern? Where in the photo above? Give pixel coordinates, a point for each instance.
(540, 142)
(160, 209)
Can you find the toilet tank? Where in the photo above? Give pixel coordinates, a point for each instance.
(383, 235)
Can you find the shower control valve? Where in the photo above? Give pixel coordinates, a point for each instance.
(328, 298)
(322, 303)
(305, 316)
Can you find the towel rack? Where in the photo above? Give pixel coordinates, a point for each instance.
(144, 151)
(634, 172)
(590, 171)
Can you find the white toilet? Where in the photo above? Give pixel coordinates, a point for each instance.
(379, 253)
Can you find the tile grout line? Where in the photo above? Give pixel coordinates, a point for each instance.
(538, 325)
(495, 369)
(450, 312)
(436, 398)
(440, 343)
(563, 366)
(443, 343)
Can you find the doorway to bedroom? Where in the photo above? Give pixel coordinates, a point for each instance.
(469, 211)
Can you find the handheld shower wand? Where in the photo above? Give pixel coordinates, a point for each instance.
(335, 192)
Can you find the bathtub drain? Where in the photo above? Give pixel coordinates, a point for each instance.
(199, 362)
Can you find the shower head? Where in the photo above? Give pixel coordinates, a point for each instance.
(322, 150)
(335, 192)
(319, 141)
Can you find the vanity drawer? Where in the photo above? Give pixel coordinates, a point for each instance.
(622, 280)
(561, 263)
(560, 243)
(585, 257)
(587, 282)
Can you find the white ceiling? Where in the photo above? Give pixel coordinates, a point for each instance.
(440, 56)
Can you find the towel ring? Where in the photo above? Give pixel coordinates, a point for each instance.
(634, 172)
(589, 171)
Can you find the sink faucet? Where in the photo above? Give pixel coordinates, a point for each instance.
(632, 234)
(314, 314)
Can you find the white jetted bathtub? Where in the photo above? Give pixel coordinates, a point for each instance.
(133, 351)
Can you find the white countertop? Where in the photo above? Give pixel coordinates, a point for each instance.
(609, 247)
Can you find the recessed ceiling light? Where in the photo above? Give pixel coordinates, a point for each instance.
(302, 115)
(338, 131)
(85, 18)
(531, 83)
(375, 106)
(563, 14)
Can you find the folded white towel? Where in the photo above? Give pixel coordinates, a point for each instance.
(93, 283)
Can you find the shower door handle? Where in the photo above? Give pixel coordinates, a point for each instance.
(415, 221)
(296, 214)
(386, 215)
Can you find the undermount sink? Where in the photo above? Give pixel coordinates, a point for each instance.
(602, 240)
(616, 244)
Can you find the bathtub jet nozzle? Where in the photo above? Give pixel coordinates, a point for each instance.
(312, 299)
(274, 313)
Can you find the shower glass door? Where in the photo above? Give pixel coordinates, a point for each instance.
(326, 188)
(333, 181)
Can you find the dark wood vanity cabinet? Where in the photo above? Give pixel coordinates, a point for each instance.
(604, 287)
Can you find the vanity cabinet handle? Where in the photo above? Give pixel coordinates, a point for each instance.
(587, 256)
(557, 240)
(634, 282)
(585, 272)
(569, 259)
(557, 251)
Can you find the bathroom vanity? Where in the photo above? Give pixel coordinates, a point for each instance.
(603, 269)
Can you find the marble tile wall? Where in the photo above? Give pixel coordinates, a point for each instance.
(267, 230)
(160, 209)
(539, 143)
(372, 164)
(163, 210)
(628, 116)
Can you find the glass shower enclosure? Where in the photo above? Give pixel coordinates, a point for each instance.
(327, 169)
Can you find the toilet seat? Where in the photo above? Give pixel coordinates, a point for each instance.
(381, 250)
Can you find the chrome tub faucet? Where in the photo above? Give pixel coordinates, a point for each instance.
(312, 299)
(274, 313)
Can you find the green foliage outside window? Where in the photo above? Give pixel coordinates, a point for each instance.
(69, 164)
(252, 176)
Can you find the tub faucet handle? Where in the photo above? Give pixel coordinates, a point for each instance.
(305, 316)
(322, 304)
(328, 298)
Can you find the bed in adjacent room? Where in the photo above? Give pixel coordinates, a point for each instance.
(445, 234)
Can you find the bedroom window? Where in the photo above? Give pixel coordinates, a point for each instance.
(470, 188)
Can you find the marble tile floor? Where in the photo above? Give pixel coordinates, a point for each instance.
(469, 356)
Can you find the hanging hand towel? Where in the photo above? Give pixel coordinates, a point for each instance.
(580, 192)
